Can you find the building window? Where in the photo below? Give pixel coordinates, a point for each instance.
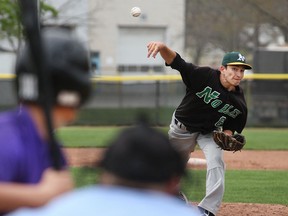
(95, 63)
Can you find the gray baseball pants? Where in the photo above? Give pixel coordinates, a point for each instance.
(185, 142)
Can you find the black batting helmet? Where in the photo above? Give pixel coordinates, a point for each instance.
(66, 61)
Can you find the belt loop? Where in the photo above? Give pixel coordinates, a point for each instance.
(179, 124)
(175, 121)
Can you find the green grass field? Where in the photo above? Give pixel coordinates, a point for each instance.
(243, 186)
(246, 186)
(257, 139)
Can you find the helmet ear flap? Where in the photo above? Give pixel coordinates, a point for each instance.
(28, 86)
(26, 81)
(68, 64)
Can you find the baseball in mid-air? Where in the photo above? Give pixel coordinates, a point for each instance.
(136, 11)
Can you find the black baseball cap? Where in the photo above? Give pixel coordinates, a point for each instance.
(143, 154)
(235, 58)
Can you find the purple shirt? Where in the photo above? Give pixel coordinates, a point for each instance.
(24, 155)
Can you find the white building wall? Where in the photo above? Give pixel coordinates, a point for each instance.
(115, 14)
(7, 60)
(98, 22)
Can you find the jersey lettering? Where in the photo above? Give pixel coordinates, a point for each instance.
(227, 109)
(208, 94)
(216, 103)
(235, 113)
(220, 122)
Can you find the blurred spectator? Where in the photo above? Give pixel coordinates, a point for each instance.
(140, 173)
(26, 176)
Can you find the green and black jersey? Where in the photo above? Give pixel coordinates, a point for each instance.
(207, 105)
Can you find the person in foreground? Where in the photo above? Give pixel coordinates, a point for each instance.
(26, 174)
(140, 172)
(213, 101)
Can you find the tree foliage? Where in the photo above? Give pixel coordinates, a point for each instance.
(234, 24)
(10, 25)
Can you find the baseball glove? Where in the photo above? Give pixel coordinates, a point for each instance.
(229, 143)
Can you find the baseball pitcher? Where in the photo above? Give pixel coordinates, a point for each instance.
(212, 114)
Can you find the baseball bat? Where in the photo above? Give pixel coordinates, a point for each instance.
(30, 17)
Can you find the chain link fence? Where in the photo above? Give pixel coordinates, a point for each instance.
(120, 102)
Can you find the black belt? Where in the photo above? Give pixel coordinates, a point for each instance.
(183, 127)
(179, 124)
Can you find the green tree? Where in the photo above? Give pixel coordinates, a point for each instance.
(10, 27)
(233, 25)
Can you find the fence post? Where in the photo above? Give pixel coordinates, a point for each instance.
(157, 102)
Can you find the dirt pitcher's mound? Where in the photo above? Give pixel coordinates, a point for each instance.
(249, 209)
(252, 160)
